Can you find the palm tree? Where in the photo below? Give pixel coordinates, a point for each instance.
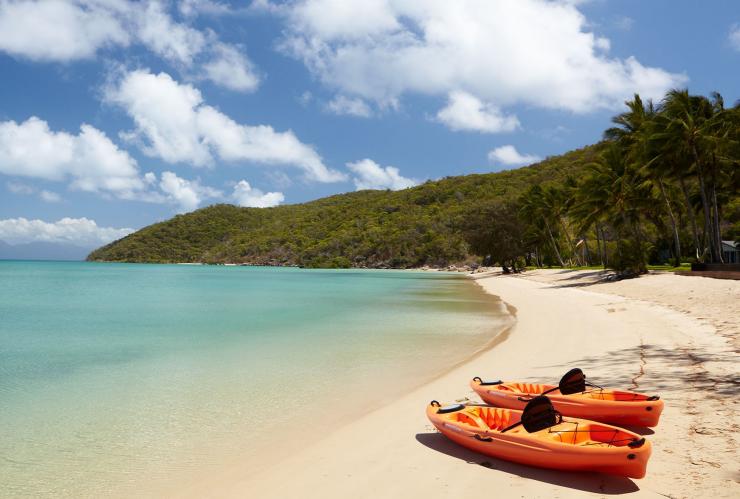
(633, 132)
(687, 129)
(613, 192)
(537, 206)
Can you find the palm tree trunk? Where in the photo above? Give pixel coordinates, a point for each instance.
(705, 205)
(676, 239)
(606, 249)
(570, 240)
(598, 244)
(692, 215)
(716, 233)
(552, 241)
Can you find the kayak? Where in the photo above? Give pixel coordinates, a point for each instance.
(576, 397)
(544, 439)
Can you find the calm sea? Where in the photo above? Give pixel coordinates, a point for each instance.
(122, 379)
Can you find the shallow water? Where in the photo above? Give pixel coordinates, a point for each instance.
(121, 379)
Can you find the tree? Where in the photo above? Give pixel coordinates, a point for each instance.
(495, 231)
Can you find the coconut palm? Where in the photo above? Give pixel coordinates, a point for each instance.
(687, 128)
(537, 206)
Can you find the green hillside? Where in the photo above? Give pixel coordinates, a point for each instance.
(410, 228)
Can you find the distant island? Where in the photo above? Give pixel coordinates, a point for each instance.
(661, 188)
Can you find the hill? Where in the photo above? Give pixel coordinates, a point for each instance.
(400, 229)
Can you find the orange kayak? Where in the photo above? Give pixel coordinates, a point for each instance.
(575, 397)
(551, 442)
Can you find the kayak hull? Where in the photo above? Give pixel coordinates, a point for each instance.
(623, 408)
(546, 448)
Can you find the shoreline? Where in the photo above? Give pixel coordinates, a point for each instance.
(618, 341)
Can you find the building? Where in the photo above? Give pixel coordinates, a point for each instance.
(730, 252)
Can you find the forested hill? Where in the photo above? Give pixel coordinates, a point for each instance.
(409, 228)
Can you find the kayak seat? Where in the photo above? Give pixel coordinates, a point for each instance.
(486, 418)
(529, 388)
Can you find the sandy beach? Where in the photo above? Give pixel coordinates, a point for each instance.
(662, 334)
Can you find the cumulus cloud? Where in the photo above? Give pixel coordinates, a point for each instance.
(186, 194)
(532, 52)
(231, 69)
(173, 123)
(246, 195)
(466, 112)
(68, 30)
(370, 175)
(734, 37)
(167, 38)
(509, 156)
(58, 30)
(78, 231)
(90, 161)
(343, 105)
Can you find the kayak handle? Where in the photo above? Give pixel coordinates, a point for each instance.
(434, 403)
(524, 399)
(635, 444)
(654, 397)
(482, 439)
(486, 383)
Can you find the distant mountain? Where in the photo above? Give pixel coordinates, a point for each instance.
(376, 229)
(42, 251)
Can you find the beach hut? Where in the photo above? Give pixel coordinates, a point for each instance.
(730, 252)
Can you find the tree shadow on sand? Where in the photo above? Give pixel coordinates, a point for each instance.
(668, 370)
(590, 482)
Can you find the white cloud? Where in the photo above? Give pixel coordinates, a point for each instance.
(509, 156)
(68, 30)
(192, 8)
(78, 231)
(230, 68)
(531, 52)
(88, 160)
(186, 194)
(27, 190)
(167, 38)
(734, 36)
(466, 112)
(174, 124)
(18, 188)
(246, 195)
(370, 175)
(49, 196)
(349, 106)
(58, 30)
(342, 19)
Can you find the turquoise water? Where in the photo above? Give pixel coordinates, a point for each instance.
(121, 379)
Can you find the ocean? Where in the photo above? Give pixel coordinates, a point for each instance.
(128, 379)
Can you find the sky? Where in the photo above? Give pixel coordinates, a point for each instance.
(115, 114)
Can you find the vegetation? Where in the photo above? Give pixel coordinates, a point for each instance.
(414, 227)
(662, 188)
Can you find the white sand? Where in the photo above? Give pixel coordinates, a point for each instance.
(618, 341)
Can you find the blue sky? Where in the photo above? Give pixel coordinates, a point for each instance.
(116, 114)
